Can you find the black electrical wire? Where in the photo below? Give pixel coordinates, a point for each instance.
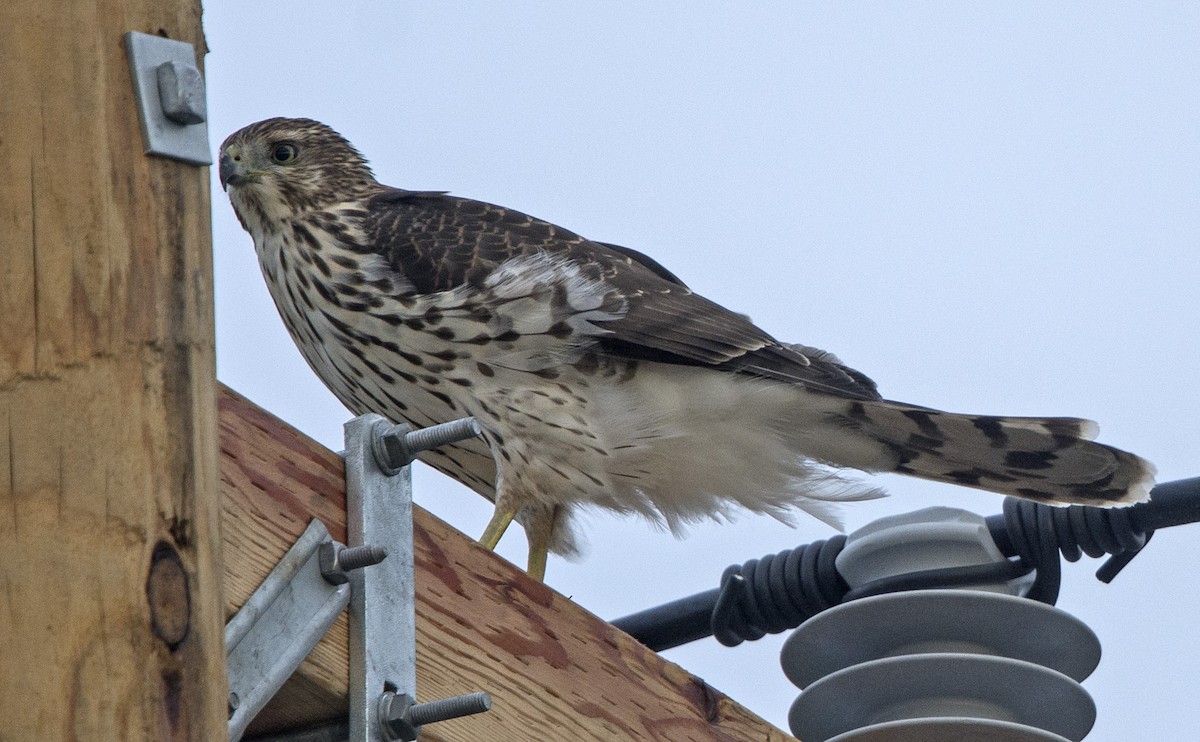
(780, 591)
(1038, 533)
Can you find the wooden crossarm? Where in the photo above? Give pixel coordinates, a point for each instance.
(556, 672)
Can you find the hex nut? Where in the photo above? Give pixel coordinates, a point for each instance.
(394, 711)
(327, 558)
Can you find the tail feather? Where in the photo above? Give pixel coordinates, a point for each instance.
(1052, 460)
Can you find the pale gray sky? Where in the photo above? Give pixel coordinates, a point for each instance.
(987, 207)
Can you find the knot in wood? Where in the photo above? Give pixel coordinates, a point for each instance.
(168, 596)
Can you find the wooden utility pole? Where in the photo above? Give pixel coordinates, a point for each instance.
(110, 606)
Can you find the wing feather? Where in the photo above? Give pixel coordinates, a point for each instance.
(440, 242)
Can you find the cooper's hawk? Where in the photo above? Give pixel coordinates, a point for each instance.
(597, 376)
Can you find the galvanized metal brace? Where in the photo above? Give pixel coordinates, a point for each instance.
(278, 626)
(383, 639)
(298, 602)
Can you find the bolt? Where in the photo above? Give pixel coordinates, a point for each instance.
(234, 702)
(450, 708)
(357, 557)
(393, 717)
(387, 443)
(402, 718)
(336, 560)
(395, 446)
(426, 439)
(181, 92)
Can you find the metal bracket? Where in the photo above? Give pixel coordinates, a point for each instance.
(170, 96)
(298, 602)
(278, 626)
(383, 639)
(383, 647)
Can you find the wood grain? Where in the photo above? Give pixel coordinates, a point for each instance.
(556, 672)
(110, 607)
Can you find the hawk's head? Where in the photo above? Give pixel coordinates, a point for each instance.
(281, 166)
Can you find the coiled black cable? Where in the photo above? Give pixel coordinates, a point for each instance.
(778, 592)
(1038, 533)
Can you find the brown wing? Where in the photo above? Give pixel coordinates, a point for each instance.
(440, 242)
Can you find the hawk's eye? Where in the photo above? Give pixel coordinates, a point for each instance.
(284, 152)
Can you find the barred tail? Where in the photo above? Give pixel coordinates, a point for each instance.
(1052, 460)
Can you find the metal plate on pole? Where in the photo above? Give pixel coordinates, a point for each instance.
(170, 96)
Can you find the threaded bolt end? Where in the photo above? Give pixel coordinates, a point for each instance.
(357, 557)
(434, 436)
(449, 708)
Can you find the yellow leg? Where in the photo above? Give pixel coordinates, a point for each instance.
(539, 531)
(496, 527)
(537, 561)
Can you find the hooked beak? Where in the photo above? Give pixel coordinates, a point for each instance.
(230, 169)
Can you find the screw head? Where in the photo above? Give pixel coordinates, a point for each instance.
(181, 93)
(327, 554)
